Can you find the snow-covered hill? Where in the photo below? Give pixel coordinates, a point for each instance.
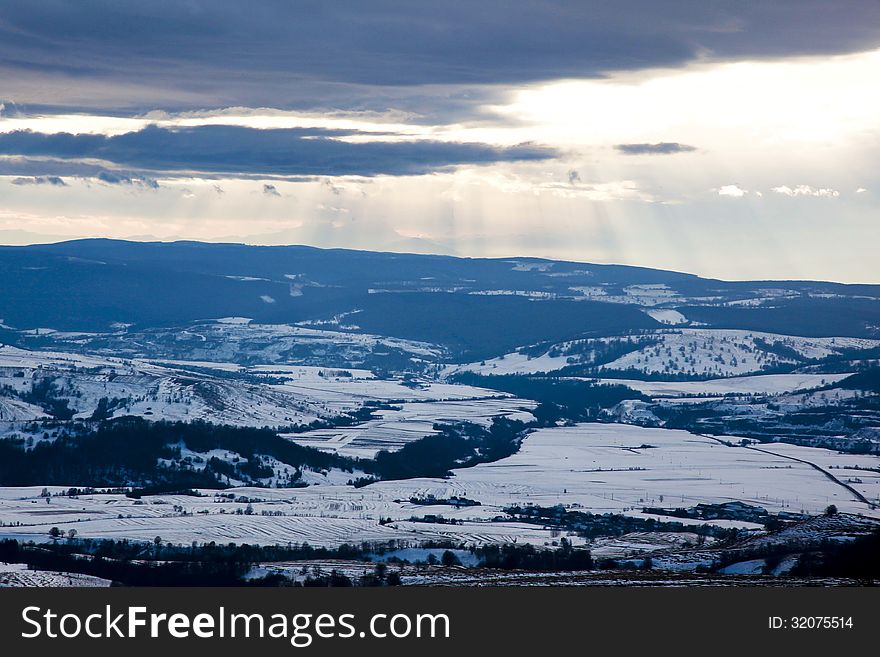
(35, 385)
(703, 353)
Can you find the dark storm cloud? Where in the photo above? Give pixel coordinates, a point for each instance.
(282, 152)
(352, 54)
(662, 148)
(29, 169)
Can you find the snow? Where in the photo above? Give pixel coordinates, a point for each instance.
(637, 295)
(520, 265)
(183, 390)
(239, 339)
(861, 471)
(611, 547)
(667, 316)
(18, 575)
(590, 290)
(750, 567)
(671, 352)
(726, 352)
(598, 468)
(602, 468)
(234, 320)
(512, 363)
(392, 429)
(838, 528)
(532, 294)
(767, 384)
(15, 410)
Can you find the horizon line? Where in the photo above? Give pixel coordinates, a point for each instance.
(130, 240)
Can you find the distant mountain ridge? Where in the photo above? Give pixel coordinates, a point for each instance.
(475, 306)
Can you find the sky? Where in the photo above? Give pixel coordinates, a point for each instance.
(735, 140)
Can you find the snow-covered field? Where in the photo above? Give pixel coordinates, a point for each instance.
(18, 575)
(861, 471)
(767, 384)
(638, 542)
(512, 363)
(667, 316)
(590, 467)
(394, 428)
(606, 468)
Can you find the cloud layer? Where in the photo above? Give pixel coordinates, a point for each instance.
(285, 152)
(659, 134)
(662, 148)
(298, 54)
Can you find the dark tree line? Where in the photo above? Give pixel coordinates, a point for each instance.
(455, 446)
(591, 525)
(139, 564)
(133, 452)
(527, 557)
(126, 452)
(857, 559)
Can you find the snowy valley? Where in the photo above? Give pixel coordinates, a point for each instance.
(392, 402)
